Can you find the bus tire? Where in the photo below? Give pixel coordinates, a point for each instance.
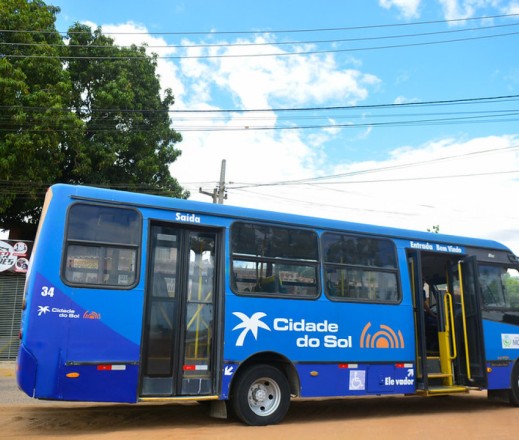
(261, 395)
(514, 391)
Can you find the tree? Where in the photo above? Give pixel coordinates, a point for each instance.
(34, 121)
(128, 140)
(88, 112)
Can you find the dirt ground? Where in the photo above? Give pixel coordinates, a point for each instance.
(464, 417)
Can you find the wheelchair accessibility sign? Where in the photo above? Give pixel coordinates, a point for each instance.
(357, 380)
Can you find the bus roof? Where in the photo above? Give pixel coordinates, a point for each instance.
(236, 212)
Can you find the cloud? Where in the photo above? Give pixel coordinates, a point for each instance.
(455, 9)
(463, 185)
(452, 9)
(199, 83)
(253, 81)
(404, 100)
(408, 8)
(467, 187)
(261, 83)
(511, 8)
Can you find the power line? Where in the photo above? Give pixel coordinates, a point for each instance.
(256, 44)
(313, 180)
(280, 31)
(325, 116)
(479, 100)
(286, 118)
(476, 100)
(22, 187)
(255, 55)
(234, 129)
(376, 181)
(512, 116)
(322, 204)
(136, 125)
(417, 178)
(335, 116)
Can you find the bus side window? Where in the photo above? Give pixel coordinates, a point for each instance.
(360, 268)
(102, 246)
(274, 260)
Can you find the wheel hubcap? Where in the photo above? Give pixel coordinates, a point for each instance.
(264, 396)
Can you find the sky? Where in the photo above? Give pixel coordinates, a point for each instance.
(392, 112)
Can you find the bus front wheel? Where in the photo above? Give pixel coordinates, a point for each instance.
(514, 392)
(261, 395)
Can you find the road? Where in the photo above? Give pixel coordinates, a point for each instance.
(379, 418)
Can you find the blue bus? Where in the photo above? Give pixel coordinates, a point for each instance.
(140, 298)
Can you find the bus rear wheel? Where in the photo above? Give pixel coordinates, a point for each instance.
(514, 392)
(261, 395)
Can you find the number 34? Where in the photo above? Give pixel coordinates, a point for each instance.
(47, 291)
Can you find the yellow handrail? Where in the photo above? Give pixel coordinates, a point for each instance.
(198, 310)
(450, 323)
(464, 320)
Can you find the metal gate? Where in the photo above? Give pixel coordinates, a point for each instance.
(11, 297)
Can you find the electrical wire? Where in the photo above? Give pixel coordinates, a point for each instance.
(183, 118)
(283, 31)
(234, 129)
(22, 187)
(256, 44)
(444, 102)
(313, 180)
(258, 55)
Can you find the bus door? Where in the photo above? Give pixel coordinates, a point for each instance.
(464, 285)
(448, 326)
(178, 354)
(414, 267)
(433, 358)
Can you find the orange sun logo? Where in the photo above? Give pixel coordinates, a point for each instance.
(386, 337)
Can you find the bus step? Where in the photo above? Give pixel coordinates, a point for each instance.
(433, 363)
(442, 390)
(438, 375)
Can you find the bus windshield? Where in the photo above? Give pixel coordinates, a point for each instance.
(499, 286)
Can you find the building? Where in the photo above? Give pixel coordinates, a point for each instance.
(14, 263)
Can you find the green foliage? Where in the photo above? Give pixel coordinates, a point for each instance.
(34, 96)
(128, 129)
(92, 121)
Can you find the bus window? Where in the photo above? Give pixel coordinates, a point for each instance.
(101, 246)
(360, 268)
(274, 260)
(499, 286)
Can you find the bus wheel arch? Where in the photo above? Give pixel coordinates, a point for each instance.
(261, 389)
(514, 385)
(276, 360)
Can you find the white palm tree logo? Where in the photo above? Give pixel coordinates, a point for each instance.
(42, 310)
(251, 324)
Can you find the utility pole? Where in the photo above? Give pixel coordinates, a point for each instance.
(221, 186)
(219, 193)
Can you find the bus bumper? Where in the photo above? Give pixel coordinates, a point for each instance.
(26, 367)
